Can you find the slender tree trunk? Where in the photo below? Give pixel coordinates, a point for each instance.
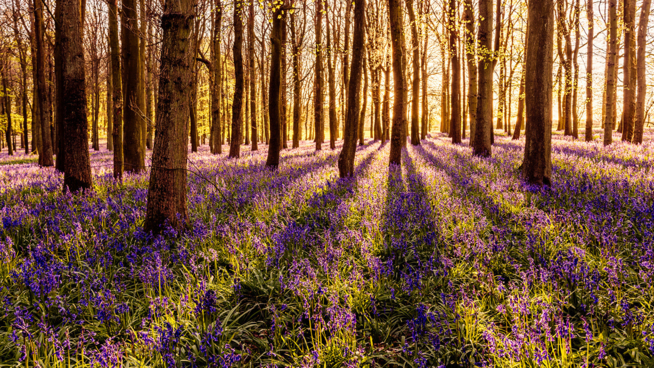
(58, 147)
(110, 105)
(629, 73)
(237, 102)
(149, 90)
(318, 102)
(346, 57)
(346, 158)
(376, 100)
(117, 90)
(133, 147)
(611, 73)
(253, 80)
(216, 90)
(425, 77)
(589, 72)
(167, 189)
(415, 88)
(521, 104)
(364, 96)
(456, 75)
(537, 164)
(96, 107)
(7, 107)
(333, 120)
(296, 50)
(279, 17)
(399, 81)
(282, 98)
(45, 154)
(483, 124)
(386, 105)
(641, 69)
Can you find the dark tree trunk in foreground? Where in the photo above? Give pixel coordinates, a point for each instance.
(642, 78)
(237, 103)
(399, 79)
(167, 189)
(589, 74)
(60, 151)
(346, 158)
(77, 170)
(274, 98)
(318, 101)
(133, 139)
(117, 90)
(455, 121)
(629, 71)
(537, 164)
(45, 154)
(481, 145)
(415, 87)
(611, 73)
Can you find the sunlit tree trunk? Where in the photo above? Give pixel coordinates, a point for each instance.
(45, 154)
(274, 108)
(399, 81)
(483, 124)
(415, 86)
(629, 72)
(318, 97)
(611, 73)
(641, 69)
(237, 101)
(589, 72)
(455, 120)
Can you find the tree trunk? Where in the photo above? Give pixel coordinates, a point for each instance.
(133, 147)
(216, 90)
(282, 99)
(589, 73)
(424, 125)
(629, 73)
(45, 154)
(386, 105)
(346, 157)
(117, 90)
(611, 77)
(59, 90)
(483, 123)
(318, 101)
(275, 86)
(521, 105)
(7, 107)
(415, 88)
(109, 105)
(399, 80)
(167, 189)
(642, 77)
(537, 164)
(77, 171)
(253, 80)
(96, 107)
(456, 76)
(364, 96)
(333, 121)
(296, 49)
(149, 91)
(237, 101)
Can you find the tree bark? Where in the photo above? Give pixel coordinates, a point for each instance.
(133, 139)
(386, 105)
(629, 71)
(117, 90)
(483, 124)
(537, 164)
(415, 88)
(333, 121)
(216, 90)
(296, 50)
(364, 97)
(45, 154)
(610, 74)
(167, 189)
(60, 163)
(109, 105)
(77, 171)
(346, 157)
(318, 97)
(7, 108)
(455, 120)
(589, 72)
(274, 109)
(641, 69)
(253, 80)
(399, 80)
(468, 18)
(521, 105)
(237, 101)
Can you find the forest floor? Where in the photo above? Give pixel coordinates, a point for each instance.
(449, 261)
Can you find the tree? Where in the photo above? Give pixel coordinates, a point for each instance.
(641, 69)
(346, 157)
(253, 79)
(399, 80)
(455, 120)
(331, 80)
(296, 52)
(611, 73)
(6, 100)
(45, 154)
(279, 7)
(468, 19)
(216, 88)
(237, 102)
(168, 177)
(77, 170)
(537, 164)
(629, 70)
(133, 124)
(589, 73)
(415, 88)
(117, 90)
(481, 145)
(318, 97)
